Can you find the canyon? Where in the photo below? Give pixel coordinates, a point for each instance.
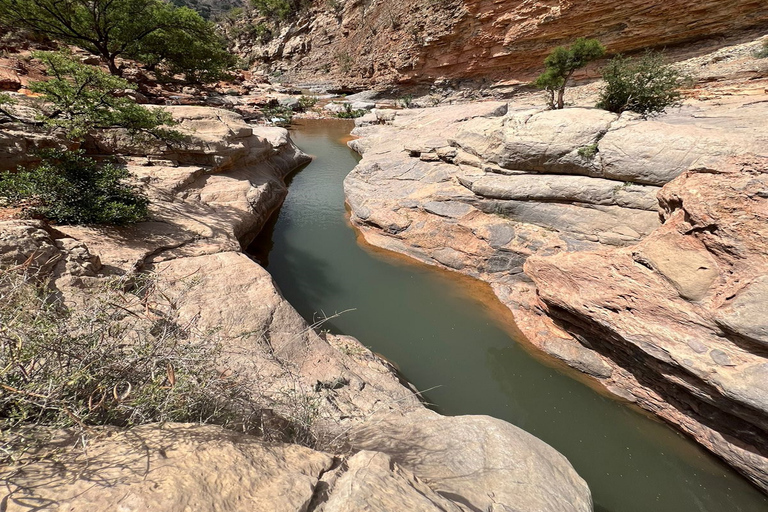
(208, 199)
(632, 250)
(361, 44)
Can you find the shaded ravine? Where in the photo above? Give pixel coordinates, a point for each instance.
(447, 334)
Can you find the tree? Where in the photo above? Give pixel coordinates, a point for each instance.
(68, 187)
(278, 9)
(644, 85)
(81, 98)
(197, 51)
(108, 28)
(562, 62)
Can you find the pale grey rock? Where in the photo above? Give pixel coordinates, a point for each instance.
(450, 209)
(373, 482)
(173, 468)
(688, 266)
(581, 189)
(19, 145)
(479, 462)
(610, 225)
(28, 241)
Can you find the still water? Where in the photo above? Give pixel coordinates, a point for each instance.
(447, 334)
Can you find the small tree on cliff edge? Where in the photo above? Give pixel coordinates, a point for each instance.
(562, 63)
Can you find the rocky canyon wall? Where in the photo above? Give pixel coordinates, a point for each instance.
(362, 43)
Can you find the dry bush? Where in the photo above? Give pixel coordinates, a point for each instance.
(121, 358)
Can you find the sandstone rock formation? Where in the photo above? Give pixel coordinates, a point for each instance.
(354, 44)
(661, 309)
(180, 467)
(208, 199)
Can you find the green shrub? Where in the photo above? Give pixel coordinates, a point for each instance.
(644, 85)
(307, 102)
(69, 188)
(349, 113)
(83, 98)
(763, 52)
(406, 101)
(588, 152)
(279, 9)
(279, 115)
(261, 32)
(120, 28)
(560, 65)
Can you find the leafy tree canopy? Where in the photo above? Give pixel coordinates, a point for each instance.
(197, 51)
(81, 98)
(562, 62)
(113, 28)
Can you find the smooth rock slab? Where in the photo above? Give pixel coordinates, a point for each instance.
(478, 461)
(177, 468)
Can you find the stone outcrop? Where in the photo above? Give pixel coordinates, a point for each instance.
(559, 212)
(159, 468)
(688, 304)
(208, 199)
(360, 44)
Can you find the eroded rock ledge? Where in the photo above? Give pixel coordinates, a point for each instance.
(208, 200)
(633, 250)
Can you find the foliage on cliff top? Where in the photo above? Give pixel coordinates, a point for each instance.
(124, 28)
(279, 10)
(645, 85)
(562, 62)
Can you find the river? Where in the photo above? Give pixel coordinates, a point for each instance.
(448, 335)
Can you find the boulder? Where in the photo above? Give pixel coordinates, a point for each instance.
(477, 461)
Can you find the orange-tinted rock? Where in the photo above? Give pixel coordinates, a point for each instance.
(9, 80)
(399, 41)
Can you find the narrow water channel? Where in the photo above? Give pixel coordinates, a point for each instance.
(448, 335)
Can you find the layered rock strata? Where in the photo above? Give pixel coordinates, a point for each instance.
(366, 43)
(631, 249)
(209, 198)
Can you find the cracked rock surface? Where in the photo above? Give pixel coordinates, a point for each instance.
(632, 249)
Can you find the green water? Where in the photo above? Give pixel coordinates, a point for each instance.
(453, 339)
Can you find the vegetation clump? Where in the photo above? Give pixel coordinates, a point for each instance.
(589, 151)
(81, 98)
(350, 113)
(762, 53)
(645, 85)
(562, 63)
(279, 115)
(151, 31)
(279, 10)
(123, 358)
(70, 188)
